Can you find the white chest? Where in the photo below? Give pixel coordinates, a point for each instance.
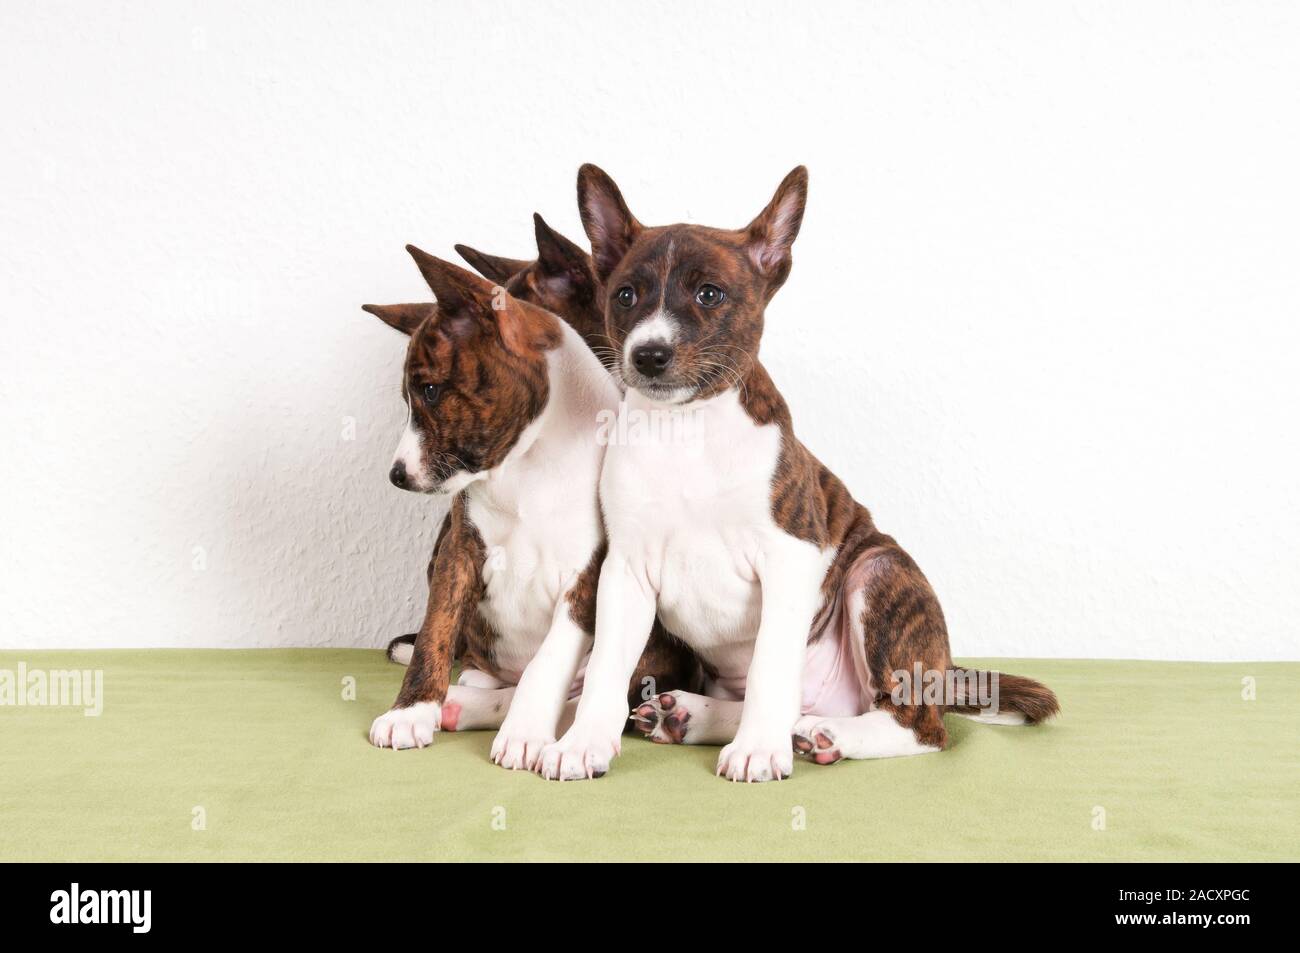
(537, 514)
(534, 550)
(687, 495)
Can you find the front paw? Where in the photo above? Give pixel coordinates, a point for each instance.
(516, 750)
(745, 760)
(412, 727)
(576, 758)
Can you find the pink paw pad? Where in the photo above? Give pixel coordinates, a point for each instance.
(662, 720)
(817, 745)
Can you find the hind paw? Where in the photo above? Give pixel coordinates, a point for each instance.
(664, 719)
(816, 742)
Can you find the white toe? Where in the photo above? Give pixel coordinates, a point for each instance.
(412, 727)
(742, 761)
(575, 760)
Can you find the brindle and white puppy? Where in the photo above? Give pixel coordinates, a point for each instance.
(723, 523)
(561, 280)
(503, 404)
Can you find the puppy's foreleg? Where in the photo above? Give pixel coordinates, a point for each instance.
(539, 701)
(416, 715)
(790, 574)
(625, 610)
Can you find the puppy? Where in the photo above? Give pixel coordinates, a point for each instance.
(503, 400)
(561, 280)
(812, 620)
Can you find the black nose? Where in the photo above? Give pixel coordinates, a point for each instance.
(398, 474)
(652, 359)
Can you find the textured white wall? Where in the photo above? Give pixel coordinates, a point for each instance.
(1043, 315)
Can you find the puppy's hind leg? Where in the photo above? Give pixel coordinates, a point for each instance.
(469, 708)
(683, 718)
(873, 735)
(475, 678)
(889, 609)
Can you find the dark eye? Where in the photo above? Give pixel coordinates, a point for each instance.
(625, 296)
(430, 393)
(710, 296)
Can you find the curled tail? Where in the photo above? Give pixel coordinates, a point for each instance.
(1020, 700)
(401, 649)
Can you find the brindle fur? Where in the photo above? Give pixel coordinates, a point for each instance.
(716, 349)
(455, 587)
(491, 365)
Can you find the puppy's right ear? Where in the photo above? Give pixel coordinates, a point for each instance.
(609, 224)
(404, 317)
(491, 267)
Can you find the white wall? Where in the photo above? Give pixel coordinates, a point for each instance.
(1042, 317)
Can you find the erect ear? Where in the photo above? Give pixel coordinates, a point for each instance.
(770, 235)
(455, 288)
(492, 267)
(404, 317)
(465, 301)
(605, 218)
(560, 260)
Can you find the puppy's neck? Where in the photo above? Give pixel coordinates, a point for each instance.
(559, 447)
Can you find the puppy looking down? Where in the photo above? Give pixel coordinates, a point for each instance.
(810, 619)
(561, 280)
(503, 399)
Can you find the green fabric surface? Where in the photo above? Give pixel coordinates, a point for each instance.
(265, 743)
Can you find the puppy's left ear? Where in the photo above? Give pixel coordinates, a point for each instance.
(770, 235)
(403, 317)
(561, 261)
